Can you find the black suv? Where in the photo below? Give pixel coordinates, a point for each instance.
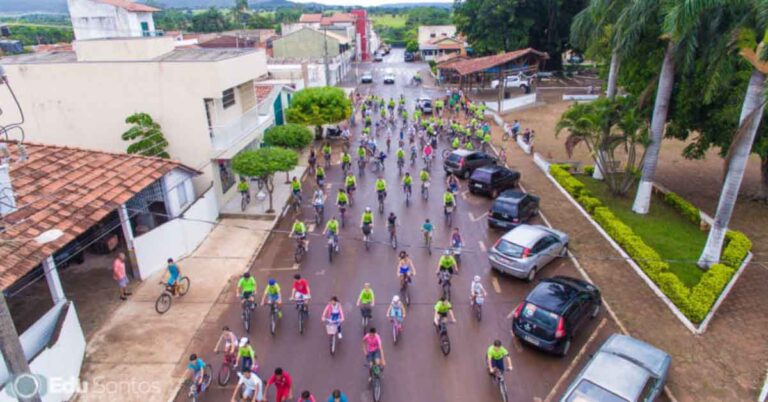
(511, 208)
(554, 311)
(462, 162)
(492, 180)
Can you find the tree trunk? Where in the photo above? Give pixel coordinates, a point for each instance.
(762, 191)
(753, 100)
(270, 185)
(613, 76)
(660, 109)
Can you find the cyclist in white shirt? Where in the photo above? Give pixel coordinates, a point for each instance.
(476, 289)
(249, 388)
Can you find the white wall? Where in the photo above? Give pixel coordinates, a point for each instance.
(60, 363)
(512, 103)
(177, 237)
(91, 20)
(178, 187)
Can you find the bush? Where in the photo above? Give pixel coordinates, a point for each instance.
(569, 183)
(686, 208)
(288, 136)
(589, 203)
(737, 245)
(589, 170)
(706, 292)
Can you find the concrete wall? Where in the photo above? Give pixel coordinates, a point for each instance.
(179, 192)
(306, 43)
(512, 103)
(92, 20)
(177, 237)
(59, 364)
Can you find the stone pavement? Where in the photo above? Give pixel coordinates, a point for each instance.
(138, 354)
(726, 363)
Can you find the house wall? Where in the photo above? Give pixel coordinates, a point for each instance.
(91, 20)
(177, 237)
(439, 31)
(179, 191)
(304, 44)
(85, 104)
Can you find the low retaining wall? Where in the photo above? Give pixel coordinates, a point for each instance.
(512, 103)
(577, 97)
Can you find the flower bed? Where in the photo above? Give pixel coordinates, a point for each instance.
(694, 302)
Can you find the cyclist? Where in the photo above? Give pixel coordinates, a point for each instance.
(391, 221)
(469, 146)
(496, 356)
(381, 157)
(452, 182)
(447, 263)
(312, 159)
(427, 152)
(306, 396)
(448, 201)
(318, 199)
(327, 153)
(456, 240)
(346, 160)
(361, 153)
(381, 187)
(296, 187)
(299, 231)
(283, 383)
(443, 309)
(334, 313)
(229, 341)
(350, 183)
(332, 230)
(196, 369)
(337, 396)
(424, 175)
(400, 154)
(320, 175)
(246, 287)
(396, 310)
(366, 300)
(476, 289)
(174, 273)
(366, 223)
(272, 291)
(455, 144)
(406, 270)
(246, 356)
(427, 228)
(244, 189)
(342, 199)
(301, 289)
(249, 388)
(373, 349)
(407, 183)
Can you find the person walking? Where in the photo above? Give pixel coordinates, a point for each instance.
(118, 274)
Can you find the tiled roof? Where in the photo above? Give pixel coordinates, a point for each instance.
(338, 17)
(129, 6)
(465, 67)
(262, 91)
(70, 189)
(311, 18)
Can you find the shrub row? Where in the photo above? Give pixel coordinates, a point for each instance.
(684, 207)
(694, 303)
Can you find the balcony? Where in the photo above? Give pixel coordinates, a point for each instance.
(225, 136)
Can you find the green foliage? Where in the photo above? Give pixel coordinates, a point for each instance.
(737, 245)
(288, 135)
(398, 26)
(412, 46)
(147, 137)
(318, 106)
(212, 20)
(34, 35)
(684, 207)
(173, 19)
(589, 203)
(706, 292)
(264, 162)
(589, 170)
(569, 183)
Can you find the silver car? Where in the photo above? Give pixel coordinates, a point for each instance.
(526, 249)
(624, 369)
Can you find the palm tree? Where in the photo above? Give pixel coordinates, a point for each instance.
(741, 146)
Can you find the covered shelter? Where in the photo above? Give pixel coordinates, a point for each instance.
(480, 71)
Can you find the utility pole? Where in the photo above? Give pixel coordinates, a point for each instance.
(325, 58)
(13, 353)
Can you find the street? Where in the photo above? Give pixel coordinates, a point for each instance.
(416, 369)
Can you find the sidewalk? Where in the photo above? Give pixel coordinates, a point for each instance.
(727, 363)
(137, 354)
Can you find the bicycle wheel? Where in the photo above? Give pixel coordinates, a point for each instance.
(163, 303)
(445, 344)
(429, 246)
(247, 318)
(367, 243)
(333, 344)
(446, 152)
(243, 203)
(330, 252)
(447, 292)
(376, 389)
(299, 254)
(394, 332)
(478, 311)
(503, 390)
(394, 241)
(207, 376)
(183, 286)
(224, 374)
(381, 206)
(301, 320)
(365, 325)
(273, 322)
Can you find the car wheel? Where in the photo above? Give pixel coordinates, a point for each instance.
(595, 311)
(531, 275)
(564, 251)
(566, 347)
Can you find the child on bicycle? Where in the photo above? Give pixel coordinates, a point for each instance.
(396, 310)
(427, 229)
(272, 291)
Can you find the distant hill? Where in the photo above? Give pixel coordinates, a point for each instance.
(412, 5)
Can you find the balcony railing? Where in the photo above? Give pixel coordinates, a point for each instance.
(225, 136)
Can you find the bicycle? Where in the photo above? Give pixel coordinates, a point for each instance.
(361, 166)
(393, 236)
(298, 255)
(405, 294)
(273, 317)
(367, 235)
(248, 306)
(342, 215)
(449, 215)
(425, 190)
(397, 329)
(196, 389)
(332, 329)
(445, 283)
(381, 196)
(303, 310)
(428, 241)
(245, 199)
(407, 191)
(498, 379)
(377, 166)
(428, 162)
(375, 381)
(477, 307)
(400, 166)
(319, 213)
(327, 158)
(413, 158)
(442, 333)
(226, 369)
(296, 203)
(367, 313)
(333, 247)
(163, 302)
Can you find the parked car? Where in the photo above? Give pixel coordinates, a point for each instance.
(623, 369)
(367, 78)
(553, 313)
(514, 81)
(378, 57)
(409, 56)
(525, 250)
(462, 162)
(424, 105)
(389, 77)
(492, 180)
(512, 208)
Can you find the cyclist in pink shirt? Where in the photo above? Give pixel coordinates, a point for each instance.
(373, 349)
(428, 150)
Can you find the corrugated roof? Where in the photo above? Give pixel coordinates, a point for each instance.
(311, 18)
(70, 189)
(129, 6)
(465, 67)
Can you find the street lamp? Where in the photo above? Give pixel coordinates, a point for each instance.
(10, 344)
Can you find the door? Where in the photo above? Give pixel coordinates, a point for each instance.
(145, 29)
(278, 106)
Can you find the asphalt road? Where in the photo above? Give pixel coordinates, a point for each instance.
(416, 369)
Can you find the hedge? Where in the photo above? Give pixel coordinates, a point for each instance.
(694, 303)
(589, 170)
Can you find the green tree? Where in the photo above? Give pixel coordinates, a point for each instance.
(289, 135)
(147, 137)
(264, 163)
(318, 106)
(212, 20)
(172, 19)
(412, 46)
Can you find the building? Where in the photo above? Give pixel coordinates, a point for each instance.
(101, 204)
(310, 43)
(301, 55)
(480, 71)
(442, 48)
(204, 100)
(94, 19)
(431, 32)
(354, 25)
(364, 41)
(11, 46)
(245, 38)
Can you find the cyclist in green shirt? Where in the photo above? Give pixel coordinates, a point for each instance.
(327, 153)
(272, 291)
(320, 175)
(424, 175)
(407, 182)
(468, 146)
(342, 199)
(456, 143)
(246, 356)
(243, 188)
(366, 300)
(448, 200)
(350, 183)
(381, 186)
(443, 309)
(296, 187)
(383, 113)
(299, 231)
(246, 287)
(361, 152)
(346, 160)
(391, 103)
(447, 263)
(496, 356)
(366, 223)
(332, 230)
(400, 154)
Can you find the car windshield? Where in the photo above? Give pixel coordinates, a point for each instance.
(504, 207)
(454, 157)
(542, 318)
(588, 391)
(510, 249)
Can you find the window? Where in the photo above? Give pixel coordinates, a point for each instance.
(589, 391)
(183, 199)
(228, 98)
(432, 35)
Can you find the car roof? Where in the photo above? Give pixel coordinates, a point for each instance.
(651, 358)
(617, 375)
(511, 195)
(526, 235)
(462, 152)
(552, 294)
(491, 168)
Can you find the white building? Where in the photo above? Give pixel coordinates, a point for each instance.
(94, 19)
(431, 32)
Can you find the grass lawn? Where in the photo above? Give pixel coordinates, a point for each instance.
(390, 21)
(663, 229)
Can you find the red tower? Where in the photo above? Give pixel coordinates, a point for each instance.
(362, 30)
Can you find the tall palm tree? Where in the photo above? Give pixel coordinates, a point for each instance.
(741, 146)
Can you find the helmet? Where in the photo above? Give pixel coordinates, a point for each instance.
(395, 299)
(272, 281)
(247, 275)
(243, 341)
(367, 209)
(447, 252)
(476, 278)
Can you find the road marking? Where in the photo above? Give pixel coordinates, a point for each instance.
(320, 272)
(295, 267)
(495, 284)
(575, 361)
(475, 219)
(482, 246)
